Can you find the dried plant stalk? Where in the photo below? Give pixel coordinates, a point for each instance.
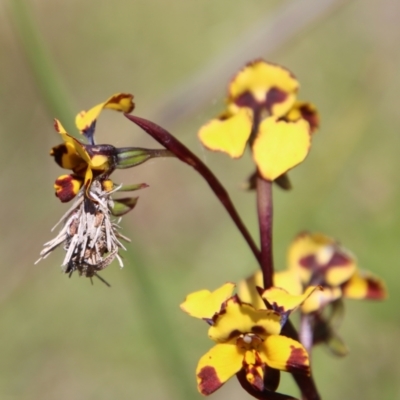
(89, 234)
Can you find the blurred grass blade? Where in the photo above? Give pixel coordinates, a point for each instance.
(52, 92)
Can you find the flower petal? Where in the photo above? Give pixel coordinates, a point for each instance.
(280, 146)
(319, 256)
(264, 84)
(86, 120)
(307, 111)
(288, 280)
(217, 366)
(285, 354)
(283, 302)
(248, 293)
(205, 304)
(66, 157)
(228, 135)
(67, 187)
(71, 141)
(364, 285)
(240, 318)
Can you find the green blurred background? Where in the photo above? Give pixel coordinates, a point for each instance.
(67, 339)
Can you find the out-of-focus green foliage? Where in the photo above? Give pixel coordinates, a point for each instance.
(64, 338)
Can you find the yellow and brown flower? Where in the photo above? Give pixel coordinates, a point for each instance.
(262, 110)
(87, 161)
(247, 339)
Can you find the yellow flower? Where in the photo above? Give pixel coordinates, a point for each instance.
(262, 110)
(246, 338)
(87, 161)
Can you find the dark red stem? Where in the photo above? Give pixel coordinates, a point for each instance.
(184, 154)
(306, 383)
(264, 208)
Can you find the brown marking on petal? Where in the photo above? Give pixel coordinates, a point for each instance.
(209, 381)
(57, 152)
(310, 114)
(375, 290)
(257, 380)
(337, 260)
(234, 334)
(65, 188)
(296, 361)
(124, 96)
(246, 99)
(258, 330)
(274, 95)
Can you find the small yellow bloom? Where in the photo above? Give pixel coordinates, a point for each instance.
(262, 110)
(87, 161)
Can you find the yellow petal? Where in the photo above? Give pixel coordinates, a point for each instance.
(88, 181)
(269, 85)
(66, 156)
(119, 102)
(248, 293)
(283, 302)
(285, 354)
(217, 366)
(71, 141)
(240, 318)
(228, 135)
(288, 280)
(364, 285)
(280, 146)
(323, 256)
(205, 304)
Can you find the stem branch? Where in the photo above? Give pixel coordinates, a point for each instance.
(184, 154)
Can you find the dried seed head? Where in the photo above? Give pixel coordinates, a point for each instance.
(89, 235)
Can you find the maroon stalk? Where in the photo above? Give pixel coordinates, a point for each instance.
(184, 154)
(264, 208)
(306, 383)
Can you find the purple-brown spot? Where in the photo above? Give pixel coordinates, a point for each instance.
(57, 152)
(338, 259)
(274, 96)
(209, 381)
(298, 361)
(375, 289)
(310, 114)
(247, 99)
(65, 188)
(258, 330)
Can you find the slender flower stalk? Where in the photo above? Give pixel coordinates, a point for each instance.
(172, 144)
(264, 208)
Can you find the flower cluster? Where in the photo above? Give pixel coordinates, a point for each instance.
(248, 340)
(316, 259)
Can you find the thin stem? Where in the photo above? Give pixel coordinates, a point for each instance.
(264, 208)
(184, 154)
(306, 333)
(305, 383)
